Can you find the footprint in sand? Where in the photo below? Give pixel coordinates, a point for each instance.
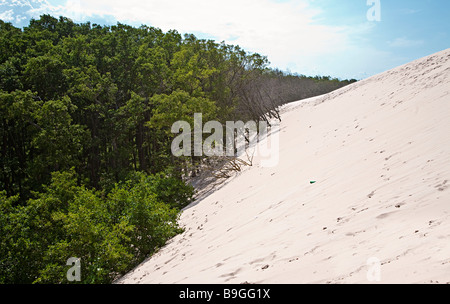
(231, 275)
(442, 186)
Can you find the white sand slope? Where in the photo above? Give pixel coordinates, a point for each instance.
(379, 150)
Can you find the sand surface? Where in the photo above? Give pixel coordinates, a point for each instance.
(379, 150)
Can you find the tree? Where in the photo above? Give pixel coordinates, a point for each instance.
(44, 74)
(18, 128)
(59, 144)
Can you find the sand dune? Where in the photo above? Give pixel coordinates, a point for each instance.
(379, 150)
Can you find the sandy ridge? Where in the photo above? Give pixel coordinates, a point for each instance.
(380, 152)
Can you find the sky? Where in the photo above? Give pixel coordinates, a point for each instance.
(341, 38)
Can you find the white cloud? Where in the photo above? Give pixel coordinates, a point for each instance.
(7, 16)
(20, 18)
(403, 42)
(24, 3)
(409, 11)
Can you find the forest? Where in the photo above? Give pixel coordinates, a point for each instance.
(86, 168)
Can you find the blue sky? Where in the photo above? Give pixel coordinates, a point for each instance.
(311, 37)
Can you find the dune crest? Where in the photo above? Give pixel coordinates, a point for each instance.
(379, 151)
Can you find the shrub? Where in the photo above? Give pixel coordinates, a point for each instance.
(110, 233)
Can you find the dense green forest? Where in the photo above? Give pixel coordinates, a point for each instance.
(86, 168)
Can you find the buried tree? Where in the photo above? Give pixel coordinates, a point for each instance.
(238, 137)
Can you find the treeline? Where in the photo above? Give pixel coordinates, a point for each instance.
(292, 87)
(86, 168)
